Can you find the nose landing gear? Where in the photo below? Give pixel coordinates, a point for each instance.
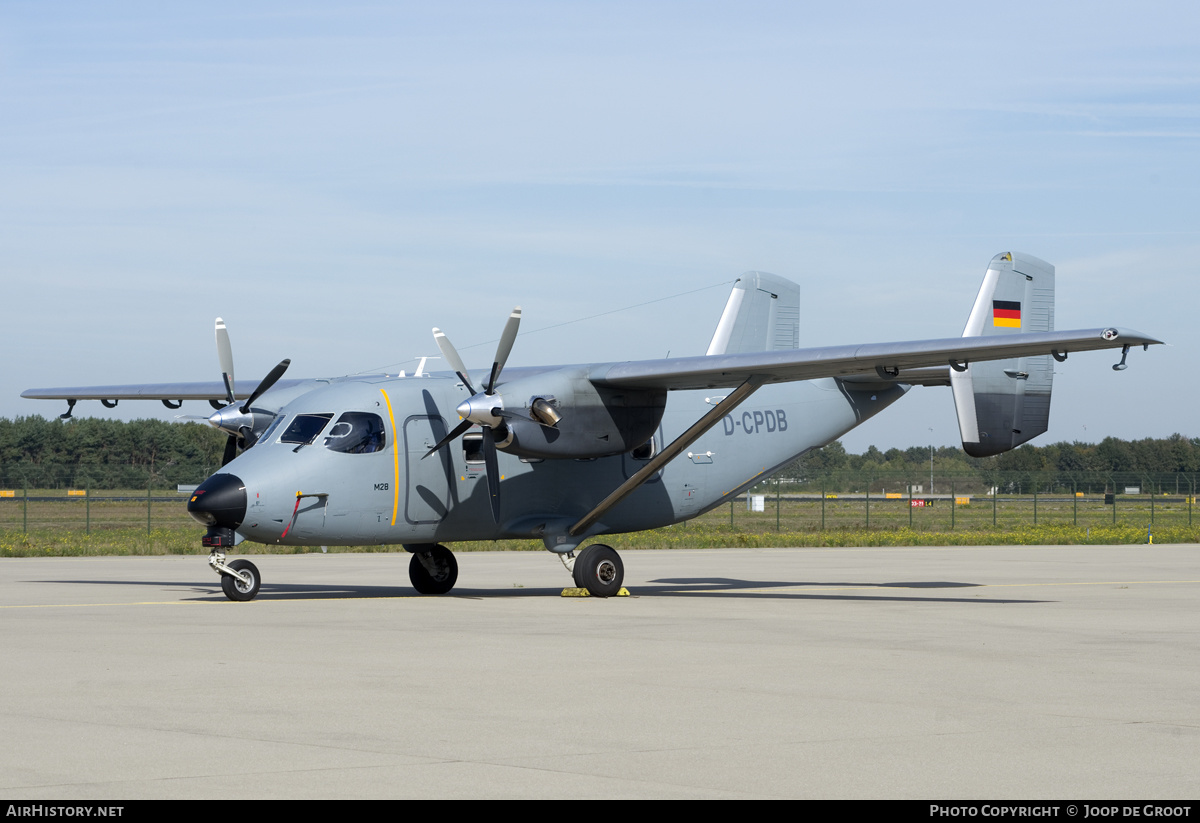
(240, 579)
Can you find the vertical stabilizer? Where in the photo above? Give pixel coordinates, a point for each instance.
(1004, 403)
(762, 314)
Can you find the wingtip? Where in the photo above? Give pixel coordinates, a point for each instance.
(1137, 338)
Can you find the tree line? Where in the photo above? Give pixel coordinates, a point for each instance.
(54, 453)
(1155, 461)
(88, 452)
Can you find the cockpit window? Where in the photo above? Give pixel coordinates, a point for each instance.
(266, 436)
(305, 428)
(356, 433)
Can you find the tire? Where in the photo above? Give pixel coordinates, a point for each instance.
(577, 569)
(599, 570)
(235, 588)
(442, 580)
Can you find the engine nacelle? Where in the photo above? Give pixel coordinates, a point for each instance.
(592, 421)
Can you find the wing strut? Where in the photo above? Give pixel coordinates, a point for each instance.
(731, 401)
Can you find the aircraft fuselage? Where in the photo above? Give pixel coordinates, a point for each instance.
(393, 493)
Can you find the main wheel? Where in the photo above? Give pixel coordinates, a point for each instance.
(237, 589)
(599, 570)
(444, 572)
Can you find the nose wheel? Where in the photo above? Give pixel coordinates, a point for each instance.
(598, 569)
(240, 579)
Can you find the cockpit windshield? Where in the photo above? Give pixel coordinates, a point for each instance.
(356, 433)
(305, 428)
(266, 436)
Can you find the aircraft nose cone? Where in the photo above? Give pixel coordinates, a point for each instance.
(219, 501)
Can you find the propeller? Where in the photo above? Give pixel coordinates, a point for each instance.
(266, 383)
(482, 409)
(225, 358)
(237, 421)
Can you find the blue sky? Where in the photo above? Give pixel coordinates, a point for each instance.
(334, 181)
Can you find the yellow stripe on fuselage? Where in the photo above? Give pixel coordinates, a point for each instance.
(395, 457)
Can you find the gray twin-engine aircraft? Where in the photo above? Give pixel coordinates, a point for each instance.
(566, 454)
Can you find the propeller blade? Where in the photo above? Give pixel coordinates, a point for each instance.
(458, 430)
(452, 358)
(225, 358)
(507, 338)
(493, 471)
(230, 449)
(267, 382)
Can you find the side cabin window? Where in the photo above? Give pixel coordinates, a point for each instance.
(356, 433)
(305, 428)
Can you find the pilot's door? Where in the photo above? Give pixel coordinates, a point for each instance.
(427, 492)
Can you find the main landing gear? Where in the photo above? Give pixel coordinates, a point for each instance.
(599, 569)
(433, 569)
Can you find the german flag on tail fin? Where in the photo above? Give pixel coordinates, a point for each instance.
(1006, 313)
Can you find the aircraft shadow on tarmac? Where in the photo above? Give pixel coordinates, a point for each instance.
(692, 587)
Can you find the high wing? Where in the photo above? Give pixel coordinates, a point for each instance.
(887, 361)
(242, 423)
(746, 372)
(925, 361)
(210, 390)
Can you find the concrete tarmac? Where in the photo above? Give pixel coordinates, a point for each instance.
(934, 673)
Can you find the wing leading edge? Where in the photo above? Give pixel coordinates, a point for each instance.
(207, 390)
(887, 360)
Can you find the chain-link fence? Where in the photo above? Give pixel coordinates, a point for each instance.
(34, 498)
(38, 497)
(947, 502)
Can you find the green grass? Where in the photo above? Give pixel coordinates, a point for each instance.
(61, 528)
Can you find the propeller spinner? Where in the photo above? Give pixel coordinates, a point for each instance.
(484, 409)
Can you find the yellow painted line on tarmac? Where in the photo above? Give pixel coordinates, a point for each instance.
(925, 588)
(85, 605)
(309, 598)
(223, 601)
(1092, 583)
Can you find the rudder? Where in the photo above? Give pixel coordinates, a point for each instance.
(762, 314)
(1004, 403)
